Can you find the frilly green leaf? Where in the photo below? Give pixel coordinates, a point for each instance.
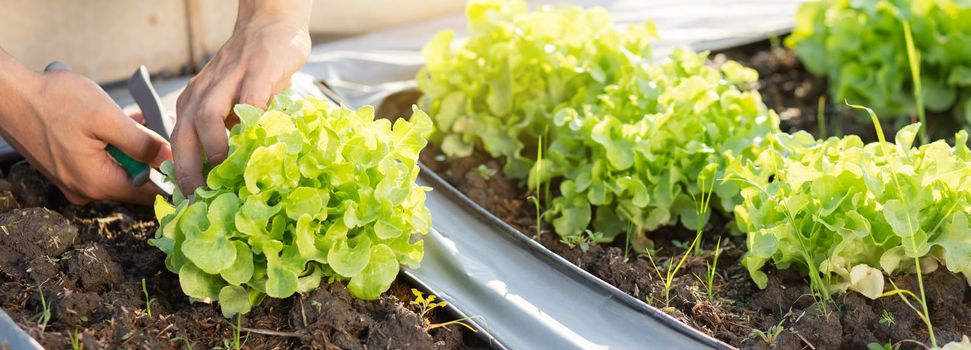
(302, 195)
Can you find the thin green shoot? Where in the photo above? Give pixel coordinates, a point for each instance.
(697, 251)
(904, 295)
(425, 304)
(672, 270)
(237, 341)
(913, 58)
(75, 338)
(547, 184)
(912, 226)
(148, 300)
(189, 344)
(628, 235)
(711, 271)
(821, 116)
(536, 198)
(43, 316)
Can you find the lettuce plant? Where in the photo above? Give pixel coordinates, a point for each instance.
(643, 153)
(860, 46)
(498, 89)
(849, 213)
(307, 192)
(628, 138)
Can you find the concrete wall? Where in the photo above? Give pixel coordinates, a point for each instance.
(107, 39)
(103, 39)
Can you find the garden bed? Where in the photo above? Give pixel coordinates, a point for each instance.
(89, 263)
(784, 314)
(794, 93)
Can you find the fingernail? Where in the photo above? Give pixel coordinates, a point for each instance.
(162, 155)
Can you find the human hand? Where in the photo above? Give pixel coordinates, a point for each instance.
(62, 122)
(269, 43)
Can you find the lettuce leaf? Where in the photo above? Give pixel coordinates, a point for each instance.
(308, 191)
(833, 207)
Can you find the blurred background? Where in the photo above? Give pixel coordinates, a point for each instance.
(104, 39)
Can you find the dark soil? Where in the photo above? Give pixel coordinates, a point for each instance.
(86, 265)
(795, 95)
(738, 311)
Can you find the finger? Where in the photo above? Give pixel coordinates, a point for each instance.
(74, 197)
(144, 194)
(134, 139)
(256, 92)
(138, 117)
(209, 119)
(115, 185)
(281, 85)
(188, 161)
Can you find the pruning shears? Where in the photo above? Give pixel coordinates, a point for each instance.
(143, 92)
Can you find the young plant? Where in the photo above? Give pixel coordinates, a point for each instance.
(584, 241)
(537, 187)
(701, 207)
(75, 338)
(711, 271)
(307, 192)
(911, 225)
(770, 335)
(426, 304)
(148, 300)
(886, 318)
(43, 316)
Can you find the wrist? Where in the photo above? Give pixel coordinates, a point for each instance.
(18, 86)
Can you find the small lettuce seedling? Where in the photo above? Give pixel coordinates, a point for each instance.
(307, 192)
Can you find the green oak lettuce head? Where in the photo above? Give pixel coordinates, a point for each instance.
(655, 139)
(497, 89)
(847, 213)
(308, 191)
(860, 47)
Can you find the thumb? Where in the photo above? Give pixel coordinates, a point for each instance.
(134, 139)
